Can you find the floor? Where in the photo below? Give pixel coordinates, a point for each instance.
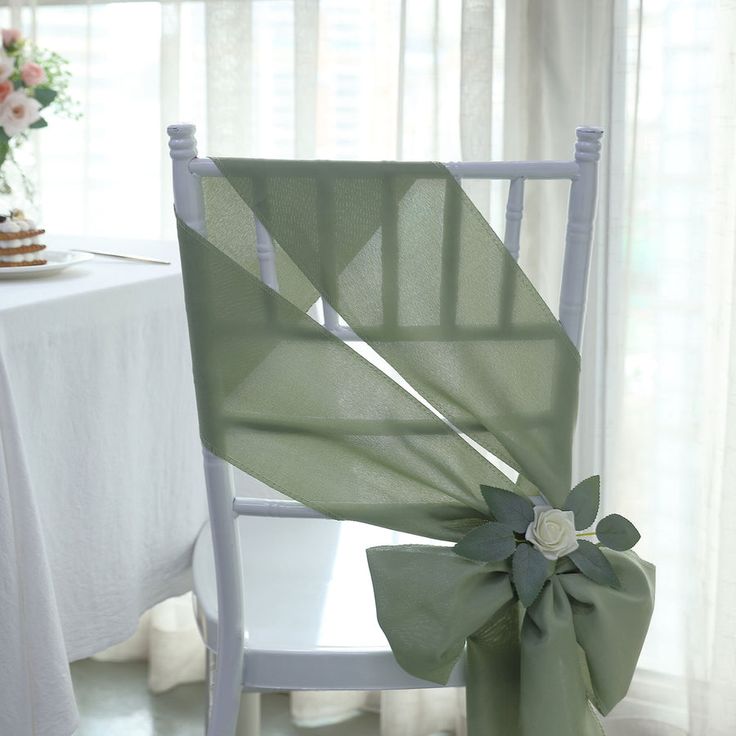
(114, 701)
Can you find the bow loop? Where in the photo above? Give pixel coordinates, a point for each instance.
(430, 600)
(570, 648)
(603, 614)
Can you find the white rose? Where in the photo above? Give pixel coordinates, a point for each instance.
(552, 532)
(18, 112)
(6, 67)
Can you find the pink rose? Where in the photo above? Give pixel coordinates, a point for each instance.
(6, 88)
(32, 74)
(18, 112)
(11, 36)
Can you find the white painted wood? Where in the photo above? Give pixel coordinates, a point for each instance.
(513, 169)
(269, 507)
(346, 334)
(188, 200)
(266, 256)
(332, 319)
(309, 610)
(189, 205)
(579, 238)
(282, 652)
(209, 678)
(462, 169)
(229, 594)
(514, 212)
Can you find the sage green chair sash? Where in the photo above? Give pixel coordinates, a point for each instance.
(402, 254)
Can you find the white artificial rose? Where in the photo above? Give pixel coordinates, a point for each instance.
(6, 67)
(552, 532)
(18, 111)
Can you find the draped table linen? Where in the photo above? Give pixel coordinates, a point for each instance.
(101, 485)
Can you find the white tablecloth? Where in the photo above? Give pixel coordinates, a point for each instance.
(101, 486)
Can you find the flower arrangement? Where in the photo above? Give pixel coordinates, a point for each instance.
(543, 540)
(31, 80)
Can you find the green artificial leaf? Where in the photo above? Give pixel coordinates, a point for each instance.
(509, 508)
(617, 532)
(528, 571)
(3, 136)
(40, 123)
(593, 564)
(45, 95)
(583, 501)
(4, 148)
(490, 542)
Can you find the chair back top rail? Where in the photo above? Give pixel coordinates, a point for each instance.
(461, 169)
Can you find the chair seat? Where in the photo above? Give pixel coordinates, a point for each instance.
(310, 618)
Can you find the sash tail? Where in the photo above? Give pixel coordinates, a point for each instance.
(493, 676)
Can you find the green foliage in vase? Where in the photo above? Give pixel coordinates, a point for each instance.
(33, 82)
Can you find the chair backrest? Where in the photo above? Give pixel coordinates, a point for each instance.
(582, 172)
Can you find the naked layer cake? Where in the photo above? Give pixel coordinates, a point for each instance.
(20, 243)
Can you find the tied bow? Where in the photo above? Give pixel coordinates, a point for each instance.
(579, 638)
(404, 257)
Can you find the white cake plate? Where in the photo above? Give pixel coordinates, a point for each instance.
(56, 260)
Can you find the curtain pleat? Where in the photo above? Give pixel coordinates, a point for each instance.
(169, 77)
(306, 59)
(558, 74)
(476, 92)
(711, 645)
(558, 57)
(401, 80)
(476, 80)
(229, 48)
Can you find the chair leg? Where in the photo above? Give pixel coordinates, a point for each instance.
(249, 718)
(224, 695)
(209, 678)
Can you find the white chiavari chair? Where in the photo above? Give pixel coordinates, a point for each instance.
(310, 622)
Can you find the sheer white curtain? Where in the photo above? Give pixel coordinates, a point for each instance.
(452, 79)
(670, 380)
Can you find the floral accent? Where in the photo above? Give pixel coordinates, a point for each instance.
(6, 88)
(11, 37)
(18, 112)
(543, 541)
(32, 74)
(7, 67)
(552, 532)
(32, 80)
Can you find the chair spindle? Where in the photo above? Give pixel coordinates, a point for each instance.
(450, 258)
(328, 265)
(514, 212)
(389, 255)
(266, 256)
